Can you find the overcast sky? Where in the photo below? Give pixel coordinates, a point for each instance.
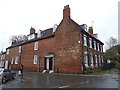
(18, 16)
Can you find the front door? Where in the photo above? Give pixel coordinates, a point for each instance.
(48, 65)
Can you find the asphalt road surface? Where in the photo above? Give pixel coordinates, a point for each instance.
(38, 80)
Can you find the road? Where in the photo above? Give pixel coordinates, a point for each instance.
(38, 80)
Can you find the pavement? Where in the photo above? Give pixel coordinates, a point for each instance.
(39, 80)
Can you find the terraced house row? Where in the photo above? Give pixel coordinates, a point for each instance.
(67, 47)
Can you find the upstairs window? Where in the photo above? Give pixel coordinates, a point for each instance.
(101, 48)
(36, 46)
(98, 46)
(32, 36)
(95, 45)
(35, 59)
(3, 56)
(85, 40)
(7, 51)
(20, 49)
(90, 42)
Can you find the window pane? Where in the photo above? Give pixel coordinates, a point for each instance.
(12, 61)
(35, 59)
(8, 51)
(85, 40)
(20, 49)
(16, 60)
(36, 46)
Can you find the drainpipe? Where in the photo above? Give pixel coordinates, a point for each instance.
(38, 58)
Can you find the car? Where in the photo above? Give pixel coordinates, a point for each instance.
(6, 75)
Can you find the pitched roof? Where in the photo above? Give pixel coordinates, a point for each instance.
(45, 34)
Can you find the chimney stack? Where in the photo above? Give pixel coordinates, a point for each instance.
(14, 42)
(90, 30)
(66, 12)
(32, 31)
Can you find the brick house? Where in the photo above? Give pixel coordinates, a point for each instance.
(2, 59)
(67, 47)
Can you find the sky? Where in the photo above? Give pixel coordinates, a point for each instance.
(18, 16)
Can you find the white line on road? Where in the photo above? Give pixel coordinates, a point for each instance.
(84, 82)
(64, 86)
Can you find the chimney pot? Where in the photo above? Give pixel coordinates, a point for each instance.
(14, 42)
(32, 30)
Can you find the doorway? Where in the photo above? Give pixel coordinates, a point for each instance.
(48, 64)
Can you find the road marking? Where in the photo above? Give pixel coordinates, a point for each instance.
(64, 86)
(73, 84)
(84, 82)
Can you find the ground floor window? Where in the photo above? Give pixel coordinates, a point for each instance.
(91, 60)
(16, 60)
(99, 60)
(86, 59)
(12, 61)
(35, 59)
(96, 61)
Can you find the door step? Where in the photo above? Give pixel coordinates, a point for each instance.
(47, 71)
(51, 71)
(44, 71)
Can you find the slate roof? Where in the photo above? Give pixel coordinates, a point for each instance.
(44, 34)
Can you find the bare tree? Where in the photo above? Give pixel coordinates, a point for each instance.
(18, 38)
(111, 42)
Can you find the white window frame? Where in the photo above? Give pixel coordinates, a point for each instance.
(101, 48)
(86, 59)
(96, 62)
(8, 51)
(85, 39)
(95, 45)
(99, 60)
(32, 36)
(35, 59)
(3, 63)
(20, 49)
(36, 45)
(90, 42)
(91, 58)
(12, 62)
(16, 60)
(98, 46)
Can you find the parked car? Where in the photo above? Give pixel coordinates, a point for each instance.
(6, 75)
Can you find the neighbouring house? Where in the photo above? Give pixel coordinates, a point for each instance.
(3, 61)
(67, 47)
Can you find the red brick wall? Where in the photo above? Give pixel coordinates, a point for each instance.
(64, 45)
(13, 53)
